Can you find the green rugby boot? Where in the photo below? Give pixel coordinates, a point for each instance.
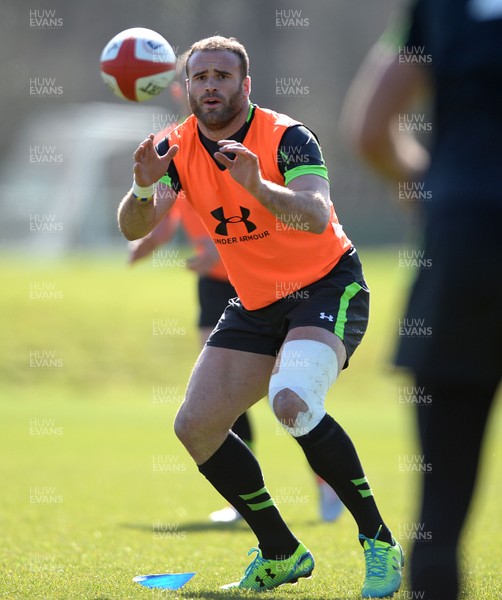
(265, 574)
(384, 563)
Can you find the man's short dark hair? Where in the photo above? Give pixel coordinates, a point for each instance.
(220, 43)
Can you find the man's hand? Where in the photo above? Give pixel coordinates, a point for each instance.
(149, 167)
(244, 168)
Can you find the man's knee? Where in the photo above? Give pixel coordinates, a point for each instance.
(194, 425)
(298, 389)
(184, 426)
(287, 405)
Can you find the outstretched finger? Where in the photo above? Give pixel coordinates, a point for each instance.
(140, 150)
(224, 160)
(236, 149)
(171, 153)
(138, 153)
(149, 145)
(224, 142)
(148, 141)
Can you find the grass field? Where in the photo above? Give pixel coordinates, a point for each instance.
(95, 487)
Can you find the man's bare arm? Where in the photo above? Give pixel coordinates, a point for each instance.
(140, 211)
(383, 89)
(137, 218)
(305, 201)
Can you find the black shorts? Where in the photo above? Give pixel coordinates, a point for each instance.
(339, 302)
(452, 330)
(214, 295)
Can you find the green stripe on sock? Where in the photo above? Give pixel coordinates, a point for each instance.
(341, 318)
(254, 506)
(361, 481)
(366, 493)
(260, 505)
(254, 494)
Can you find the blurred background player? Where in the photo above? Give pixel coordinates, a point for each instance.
(213, 293)
(454, 50)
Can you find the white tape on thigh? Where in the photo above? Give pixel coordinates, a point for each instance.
(308, 368)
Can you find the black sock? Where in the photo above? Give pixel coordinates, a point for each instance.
(332, 455)
(235, 473)
(242, 428)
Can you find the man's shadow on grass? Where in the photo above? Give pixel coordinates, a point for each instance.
(187, 527)
(199, 526)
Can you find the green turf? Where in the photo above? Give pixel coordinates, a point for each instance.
(95, 487)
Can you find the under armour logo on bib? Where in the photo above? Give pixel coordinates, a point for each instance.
(222, 228)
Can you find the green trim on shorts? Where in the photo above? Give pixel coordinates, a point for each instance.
(341, 318)
(320, 170)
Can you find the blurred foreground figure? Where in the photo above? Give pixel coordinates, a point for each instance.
(454, 50)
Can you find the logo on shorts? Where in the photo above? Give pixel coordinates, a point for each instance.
(330, 318)
(222, 228)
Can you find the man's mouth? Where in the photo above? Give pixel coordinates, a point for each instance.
(211, 102)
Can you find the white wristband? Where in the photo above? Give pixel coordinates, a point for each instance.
(143, 193)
